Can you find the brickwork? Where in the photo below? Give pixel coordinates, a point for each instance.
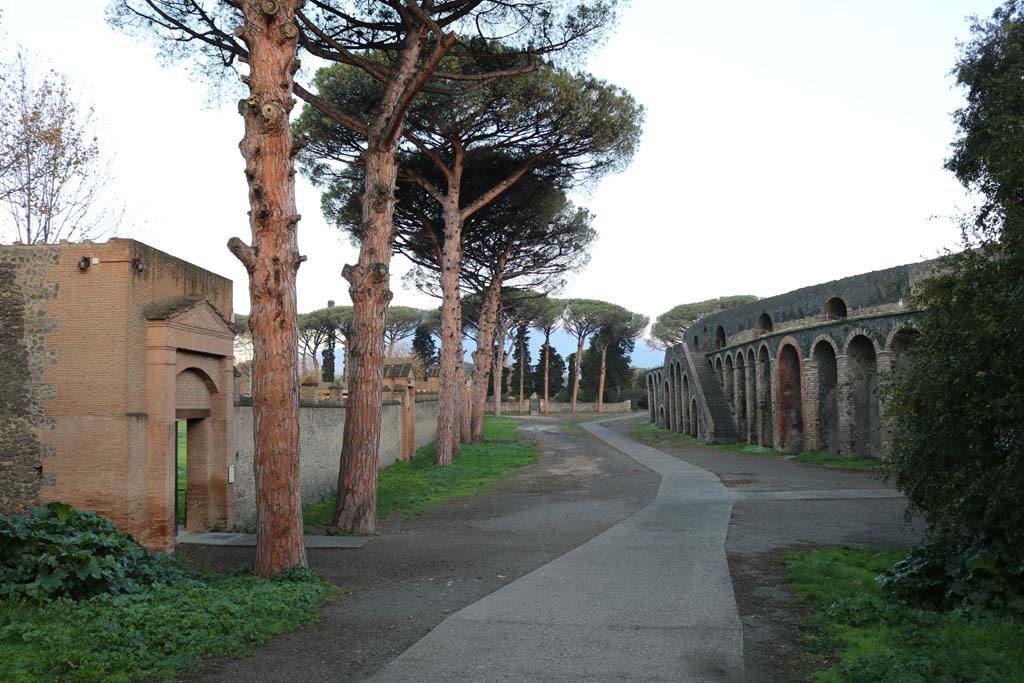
(785, 368)
(100, 377)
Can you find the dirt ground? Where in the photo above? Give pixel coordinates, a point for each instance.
(422, 568)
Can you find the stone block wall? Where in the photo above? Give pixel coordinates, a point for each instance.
(24, 293)
(513, 407)
(321, 426)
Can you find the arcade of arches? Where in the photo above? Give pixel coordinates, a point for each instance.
(796, 372)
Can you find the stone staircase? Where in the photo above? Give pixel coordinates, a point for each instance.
(721, 412)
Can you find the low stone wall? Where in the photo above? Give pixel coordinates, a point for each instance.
(321, 426)
(513, 407)
(427, 409)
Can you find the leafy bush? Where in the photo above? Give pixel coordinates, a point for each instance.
(153, 635)
(60, 552)
(945, 575)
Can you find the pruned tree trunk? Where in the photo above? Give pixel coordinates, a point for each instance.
(499, 367)
(600, 383)
(369, 287)
(547, 365)
(577, 373)
(272, 262)
(466, 410)
(453, 379)
(356, 508)
(483, 355)
(522, 368)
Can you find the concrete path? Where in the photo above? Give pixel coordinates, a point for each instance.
(650, 599)
(219, 538)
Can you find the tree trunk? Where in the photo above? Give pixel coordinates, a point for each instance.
(577, 373)
(453, 379)
(272, 262)
(600, 384)
(522, 368)
(369, 288)
(547, 363)
(356, 508)
(466, 410)
(483, 355)
(499, 367)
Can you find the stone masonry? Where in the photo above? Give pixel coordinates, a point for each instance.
(794, 372)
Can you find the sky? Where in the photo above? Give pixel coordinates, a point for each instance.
(785, 144)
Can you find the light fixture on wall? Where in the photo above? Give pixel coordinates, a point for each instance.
(83, 263)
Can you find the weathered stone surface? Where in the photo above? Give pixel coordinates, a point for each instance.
(797, 371)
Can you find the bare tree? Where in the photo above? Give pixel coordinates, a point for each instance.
(52, 175)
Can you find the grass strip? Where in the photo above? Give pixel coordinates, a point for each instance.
(655, 436)
(416, 484)
(573, 429)
(156, 635)
(862, 637)
(838, 462)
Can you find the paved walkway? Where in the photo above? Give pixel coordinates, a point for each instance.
(650, 599)
(220, 538)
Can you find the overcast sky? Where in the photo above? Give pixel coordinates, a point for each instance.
(786, 144)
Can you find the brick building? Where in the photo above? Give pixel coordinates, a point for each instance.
(794, 372)
(103, 346)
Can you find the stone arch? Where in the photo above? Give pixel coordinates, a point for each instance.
(651, 398)
(872, 336)
(901, 344)
(670, 393)
(666, 402)
(824, 357)
(790, 400)
(764, 324)
(729, 380)
(694, 431)
(696, 343)
(720, 371)
(765, 416)
(835, 309)
(706, 343)
(752, 407)
(740, 392)
(194, 391)
(719, 337)
(866, 426)
(686, 404)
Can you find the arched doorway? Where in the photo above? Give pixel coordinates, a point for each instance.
(720, 372)
(193, 390)
(903, 349)
(835, 309)
(729, 380)
(752, 408)
(693, 418)
(719, 338)
(741, 397)
(866, 421)
(763, 325)
(828, 398)
(651, 398)
(764, 399)
(686, 404)
(790, 418)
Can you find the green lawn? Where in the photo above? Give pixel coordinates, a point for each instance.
(655, 436)
(573, 429)
(838, 462)
(181, 469)
(863, 638)
(411, 486)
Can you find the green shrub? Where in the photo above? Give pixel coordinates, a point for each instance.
(60, 552)
(945, 575)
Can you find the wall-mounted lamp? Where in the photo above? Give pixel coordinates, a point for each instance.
(83, 263)
(138, 264)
